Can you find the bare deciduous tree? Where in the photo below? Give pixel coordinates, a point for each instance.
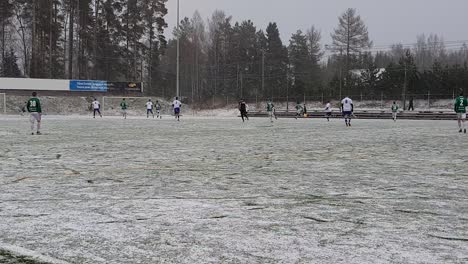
(351, 34)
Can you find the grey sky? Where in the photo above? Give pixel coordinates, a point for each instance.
(388, 21)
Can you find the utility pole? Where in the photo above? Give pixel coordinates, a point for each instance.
(263, 70)
(50, 40)
(237, 75)
(178, 51)
(70, 40)
(287, 95)
(241, 85)
(32, 71)
(341, 72)
(404, 88)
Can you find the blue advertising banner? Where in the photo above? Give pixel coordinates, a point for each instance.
(88, 86)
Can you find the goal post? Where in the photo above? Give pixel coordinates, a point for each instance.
(3, 107)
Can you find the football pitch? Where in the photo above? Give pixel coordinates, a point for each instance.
(216, 190)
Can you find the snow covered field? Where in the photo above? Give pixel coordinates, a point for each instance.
(208, 190)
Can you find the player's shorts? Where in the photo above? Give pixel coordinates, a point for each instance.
(347, 114)
(177, 110)
(149, 111)
(461, 115)
(97, 110)
(35, 117)
(328, 113)
(124, 111)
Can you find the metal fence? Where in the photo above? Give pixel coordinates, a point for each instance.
(421, 101)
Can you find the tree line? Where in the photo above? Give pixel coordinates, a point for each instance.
(115, 40)
(123, 40)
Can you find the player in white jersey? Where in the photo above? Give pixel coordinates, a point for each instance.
(96, 108)
(347, 108)
(149, 108)
(328, 111)
(176, 105)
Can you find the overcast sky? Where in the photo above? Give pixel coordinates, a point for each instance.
(388, 21)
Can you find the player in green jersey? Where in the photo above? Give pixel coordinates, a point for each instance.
(299, 110)
(395, 109)
(158, 109)
(35, 110)
(461, 103)
(124, 107)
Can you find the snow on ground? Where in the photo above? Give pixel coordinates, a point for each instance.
(208, 190)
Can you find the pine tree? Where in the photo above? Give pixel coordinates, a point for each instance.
(46, 49)
(154, 24)
(276, 63)
(315, 78)
(249, 59)
(10, 66)
(300, 63)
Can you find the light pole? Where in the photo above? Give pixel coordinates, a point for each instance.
(263, 71)
(178, 52)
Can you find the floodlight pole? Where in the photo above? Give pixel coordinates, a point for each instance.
(178, 52)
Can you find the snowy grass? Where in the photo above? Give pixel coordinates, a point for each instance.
(208, 190)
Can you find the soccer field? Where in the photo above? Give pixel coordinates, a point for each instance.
(221, 191)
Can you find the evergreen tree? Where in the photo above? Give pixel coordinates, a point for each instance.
(300, 64)
(10, 66)
(315, 55)
(276, 64)
(154, 28)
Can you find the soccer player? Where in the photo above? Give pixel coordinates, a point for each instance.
(124, 107)
(96, 108)
(411, 104)
(158, 109)
(328, 111)
(270, 110)
(23, 108)
(35, 110)
(243, 110)
(176, 105)
(395, 108)
(149, 108)
(299, 110)
(460, 108)
(347, 108)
